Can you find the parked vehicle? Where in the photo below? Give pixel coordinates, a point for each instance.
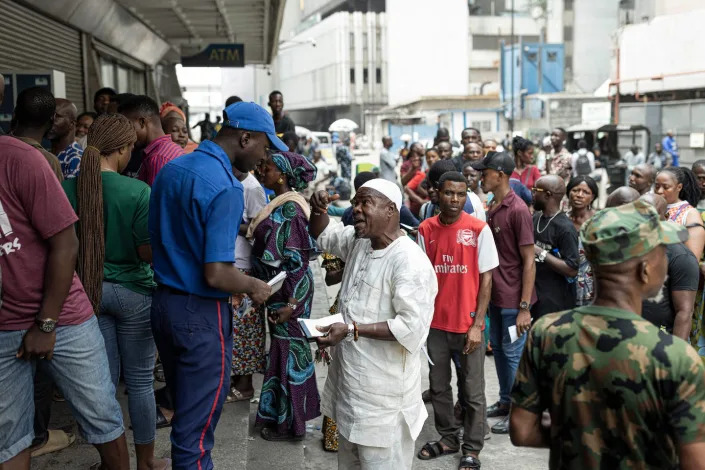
(325, 145)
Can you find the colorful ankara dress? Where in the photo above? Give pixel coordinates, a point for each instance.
(282, 243)
(289, 392)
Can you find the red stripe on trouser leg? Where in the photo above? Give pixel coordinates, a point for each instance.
(220, 386)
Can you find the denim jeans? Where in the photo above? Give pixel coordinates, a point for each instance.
(506, 353)
(126, 327)
(80, 370)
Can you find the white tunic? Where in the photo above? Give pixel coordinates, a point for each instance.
(372, 382)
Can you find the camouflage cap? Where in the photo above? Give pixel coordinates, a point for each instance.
(618, 234)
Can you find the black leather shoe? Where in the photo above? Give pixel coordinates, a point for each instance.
(426, 396)
(501, 427)
(497, 410)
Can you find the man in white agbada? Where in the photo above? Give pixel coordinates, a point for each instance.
(373, 389)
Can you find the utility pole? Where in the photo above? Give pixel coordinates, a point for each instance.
(512, 69)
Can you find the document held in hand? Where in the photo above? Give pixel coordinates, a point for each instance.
(277, 281)
(308, 326)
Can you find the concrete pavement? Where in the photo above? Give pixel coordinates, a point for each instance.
(239, 446)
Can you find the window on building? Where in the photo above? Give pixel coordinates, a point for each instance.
(482, 126)
(121, 76)
(551, 56)
(365, 76)
(123, 81)
(567, 33)
(352, 76)
(352, 39)
(378, 75)
(482, 42)
(107, 73)
(364, 41)
(568, 5)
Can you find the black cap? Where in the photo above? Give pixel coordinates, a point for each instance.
(499, 161)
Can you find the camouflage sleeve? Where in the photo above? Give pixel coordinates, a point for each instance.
(685, 394)
(525, 392)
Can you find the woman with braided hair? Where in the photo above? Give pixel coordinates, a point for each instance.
(114, 265)
(680, 188)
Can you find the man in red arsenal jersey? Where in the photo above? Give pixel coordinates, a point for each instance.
(462, 251)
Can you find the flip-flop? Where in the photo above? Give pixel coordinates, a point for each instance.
(58, 440)
(468, 461)
(434, 450)
(236, 395)
(96, 466)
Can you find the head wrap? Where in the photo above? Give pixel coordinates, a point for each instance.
(389, 189)
(168, 107)
(297, 169)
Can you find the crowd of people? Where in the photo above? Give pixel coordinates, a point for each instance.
(129, 252)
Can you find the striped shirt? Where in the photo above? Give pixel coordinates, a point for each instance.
(157, 154)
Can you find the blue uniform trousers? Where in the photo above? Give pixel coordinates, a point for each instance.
(194, 336)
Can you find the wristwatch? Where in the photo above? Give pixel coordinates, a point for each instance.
(524, 305)
(542, 256)
(45, 325)
(351, 332)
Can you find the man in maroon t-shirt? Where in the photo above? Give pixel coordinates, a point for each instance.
(513, 283)
(45, 316)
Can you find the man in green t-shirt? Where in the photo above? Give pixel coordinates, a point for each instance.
(620, 392)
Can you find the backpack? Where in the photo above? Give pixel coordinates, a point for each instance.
(582, 164)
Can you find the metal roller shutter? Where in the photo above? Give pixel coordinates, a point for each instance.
(30, 41)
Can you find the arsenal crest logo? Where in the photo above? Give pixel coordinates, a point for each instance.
(467, 237)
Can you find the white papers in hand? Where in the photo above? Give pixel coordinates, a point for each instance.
(277, 281)
(513, 333)
(309, 326)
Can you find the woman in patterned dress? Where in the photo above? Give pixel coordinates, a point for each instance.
(282, 243)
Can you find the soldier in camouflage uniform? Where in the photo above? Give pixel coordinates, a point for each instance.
(620, 392)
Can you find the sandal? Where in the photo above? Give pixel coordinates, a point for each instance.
(434, 450)
(58, 440)
(236, 395)
(468, 461)
(159, 373)
(162, 422)
(269, 434)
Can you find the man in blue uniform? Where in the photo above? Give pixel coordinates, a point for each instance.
(195, 213)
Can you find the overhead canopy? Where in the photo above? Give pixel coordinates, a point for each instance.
(190, 25)
(607, 128)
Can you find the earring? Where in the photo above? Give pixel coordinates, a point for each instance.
(280, 180)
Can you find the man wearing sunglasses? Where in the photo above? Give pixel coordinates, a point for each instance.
(513, 283)
(555, 249)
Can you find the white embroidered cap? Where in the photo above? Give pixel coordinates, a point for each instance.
(389, 189)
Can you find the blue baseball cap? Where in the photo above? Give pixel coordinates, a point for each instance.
(252, 117)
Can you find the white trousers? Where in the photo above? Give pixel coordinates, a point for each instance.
(397, 457)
